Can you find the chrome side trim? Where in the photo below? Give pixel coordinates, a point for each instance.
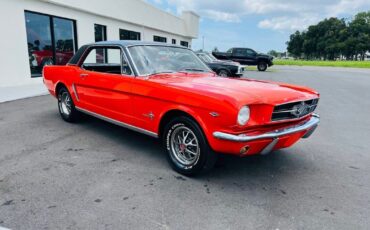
(314, 121)
(119, 123)
(75, 91)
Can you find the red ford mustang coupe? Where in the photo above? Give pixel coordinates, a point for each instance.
(167, 92)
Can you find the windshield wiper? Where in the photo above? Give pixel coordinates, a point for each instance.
(193, 70)
(159, 72)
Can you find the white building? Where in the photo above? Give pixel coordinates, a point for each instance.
(367, 56)
(39, 32)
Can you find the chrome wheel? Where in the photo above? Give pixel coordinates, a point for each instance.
(65, 103)
(184, 146)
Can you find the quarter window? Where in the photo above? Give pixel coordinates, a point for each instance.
(50, 39)
(174, 41)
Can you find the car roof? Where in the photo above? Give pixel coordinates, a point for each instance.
(123, 43)
(128, 43)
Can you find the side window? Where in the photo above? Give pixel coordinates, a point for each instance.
(251, 52)
(239, 52)
(106, 60)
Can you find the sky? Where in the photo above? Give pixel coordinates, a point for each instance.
(257, 24)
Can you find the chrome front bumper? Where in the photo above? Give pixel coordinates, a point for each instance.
(309, 125)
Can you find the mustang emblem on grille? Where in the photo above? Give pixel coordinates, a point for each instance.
(300, 109)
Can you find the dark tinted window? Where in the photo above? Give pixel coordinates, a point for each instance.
(251, 52)
(239, 51)
(174, 41)
(129, 35)
(159, 39)
(183, 43)
(100, 33)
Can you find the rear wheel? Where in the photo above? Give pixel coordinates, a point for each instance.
(187, 149)
(223, 73)
(262, 66)
(66, 106)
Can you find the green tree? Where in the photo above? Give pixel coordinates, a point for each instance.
(333, 38)
(295, 44)
(359, 30)
(273, 53)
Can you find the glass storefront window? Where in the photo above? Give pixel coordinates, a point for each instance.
(51, 40)
(64, 40)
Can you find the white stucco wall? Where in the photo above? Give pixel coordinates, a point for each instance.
(133, 15)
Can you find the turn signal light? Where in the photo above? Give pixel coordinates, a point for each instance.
(244, 150)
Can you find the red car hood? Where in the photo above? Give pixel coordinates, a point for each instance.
(245, 91)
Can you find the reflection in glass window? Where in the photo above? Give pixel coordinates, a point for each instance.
(64, 40)
(50, 40)
(39, 41)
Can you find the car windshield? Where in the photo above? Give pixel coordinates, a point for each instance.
(205, 58)
(153, 59)
(212, 57)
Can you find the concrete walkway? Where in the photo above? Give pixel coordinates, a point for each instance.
(19, 92)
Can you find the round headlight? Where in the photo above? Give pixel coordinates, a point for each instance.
(243, 115)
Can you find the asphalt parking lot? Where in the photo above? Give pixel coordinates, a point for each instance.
(94, 175)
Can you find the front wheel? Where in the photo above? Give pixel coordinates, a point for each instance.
(187, 149)
(262, 66)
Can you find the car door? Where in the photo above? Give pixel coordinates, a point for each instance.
(251, 57)
(239, 55)
(104, 84)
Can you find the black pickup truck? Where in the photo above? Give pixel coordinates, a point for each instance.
(246, 56)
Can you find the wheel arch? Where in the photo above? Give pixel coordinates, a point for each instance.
(58, 86)
(176, 112)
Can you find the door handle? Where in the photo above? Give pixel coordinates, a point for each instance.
(83, 75)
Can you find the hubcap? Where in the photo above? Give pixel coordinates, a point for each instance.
(184, 146)
(65, 103)
(223, 74)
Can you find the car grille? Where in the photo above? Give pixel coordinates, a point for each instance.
(294, 110)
